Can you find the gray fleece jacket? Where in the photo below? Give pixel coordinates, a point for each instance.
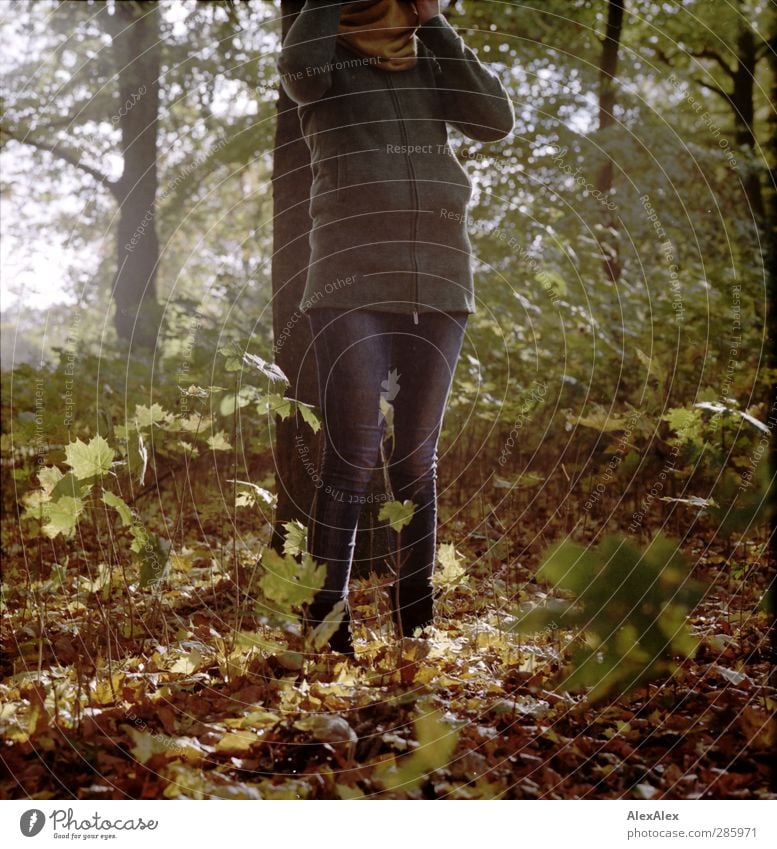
(389, 198)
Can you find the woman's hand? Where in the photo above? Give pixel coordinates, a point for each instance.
(427, 9)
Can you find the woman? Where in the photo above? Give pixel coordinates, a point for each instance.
(389, 287)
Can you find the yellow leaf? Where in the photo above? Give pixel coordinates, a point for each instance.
(107, 692)
(238, 741)
(189, 663)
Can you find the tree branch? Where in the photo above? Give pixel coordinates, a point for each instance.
(706, 53)
(766, 47)
(719, 91)
(65, 155)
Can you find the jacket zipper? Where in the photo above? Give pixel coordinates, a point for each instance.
(411, 171)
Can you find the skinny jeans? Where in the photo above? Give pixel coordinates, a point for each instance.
(362, 355)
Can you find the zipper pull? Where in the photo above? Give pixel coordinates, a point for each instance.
(415, 317)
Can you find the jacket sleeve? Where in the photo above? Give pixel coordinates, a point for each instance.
(474, 99)
(305, 62)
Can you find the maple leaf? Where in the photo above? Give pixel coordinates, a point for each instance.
(390, 391)
(452, 572)
(219, 442)
(288, 583)
(148, 416)
(62, 515)
(397, 513)
(390, 386)
(89, 460)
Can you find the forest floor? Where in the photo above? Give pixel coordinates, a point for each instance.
(182, 691)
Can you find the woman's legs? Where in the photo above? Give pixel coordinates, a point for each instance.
(355, 350)
(425, 361)
(352, 349)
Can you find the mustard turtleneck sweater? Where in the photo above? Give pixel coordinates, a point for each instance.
(383, 29)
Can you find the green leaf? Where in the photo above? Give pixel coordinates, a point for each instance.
(397, 513)
(452, 572)
(288, 583)
(522, 481)
(219, 442)
(603, 421)
(49, 477)
(436, 743)
(274, 404)
(632, 606)
(152, 554)
(70, 485)
(654, 367)
(308, 415)
(62, 515)
(89, 460)
(323, 631)
(686, 423)
(295, 539)
(231, 402)
(120, 506)
(148, 416)
(256, 491)
(552, 281)
(570, 566)
(233, 354)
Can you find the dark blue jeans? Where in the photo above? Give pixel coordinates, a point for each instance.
(361, 355)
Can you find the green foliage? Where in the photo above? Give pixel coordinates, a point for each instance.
(120, 506)
(451, 572)
(436, 742)
(397, 513)
(152, 551)
(295, 539)
(61, 501)
(289, 584)
(320, 635)
(629, 608)
(89, 460)
(62, 515)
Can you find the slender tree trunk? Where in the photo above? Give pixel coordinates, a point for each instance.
(771, 267)
(608, 67)
(291, 181)
(742, 104)
(297, 448)
(134, 30)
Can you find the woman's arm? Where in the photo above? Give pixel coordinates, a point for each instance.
(305, 63)
(474, 99)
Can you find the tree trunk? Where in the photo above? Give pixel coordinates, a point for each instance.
(134, 31)
(291, 181)
(771, 268)
(608, 66)
(742, 104)
(297, 448)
